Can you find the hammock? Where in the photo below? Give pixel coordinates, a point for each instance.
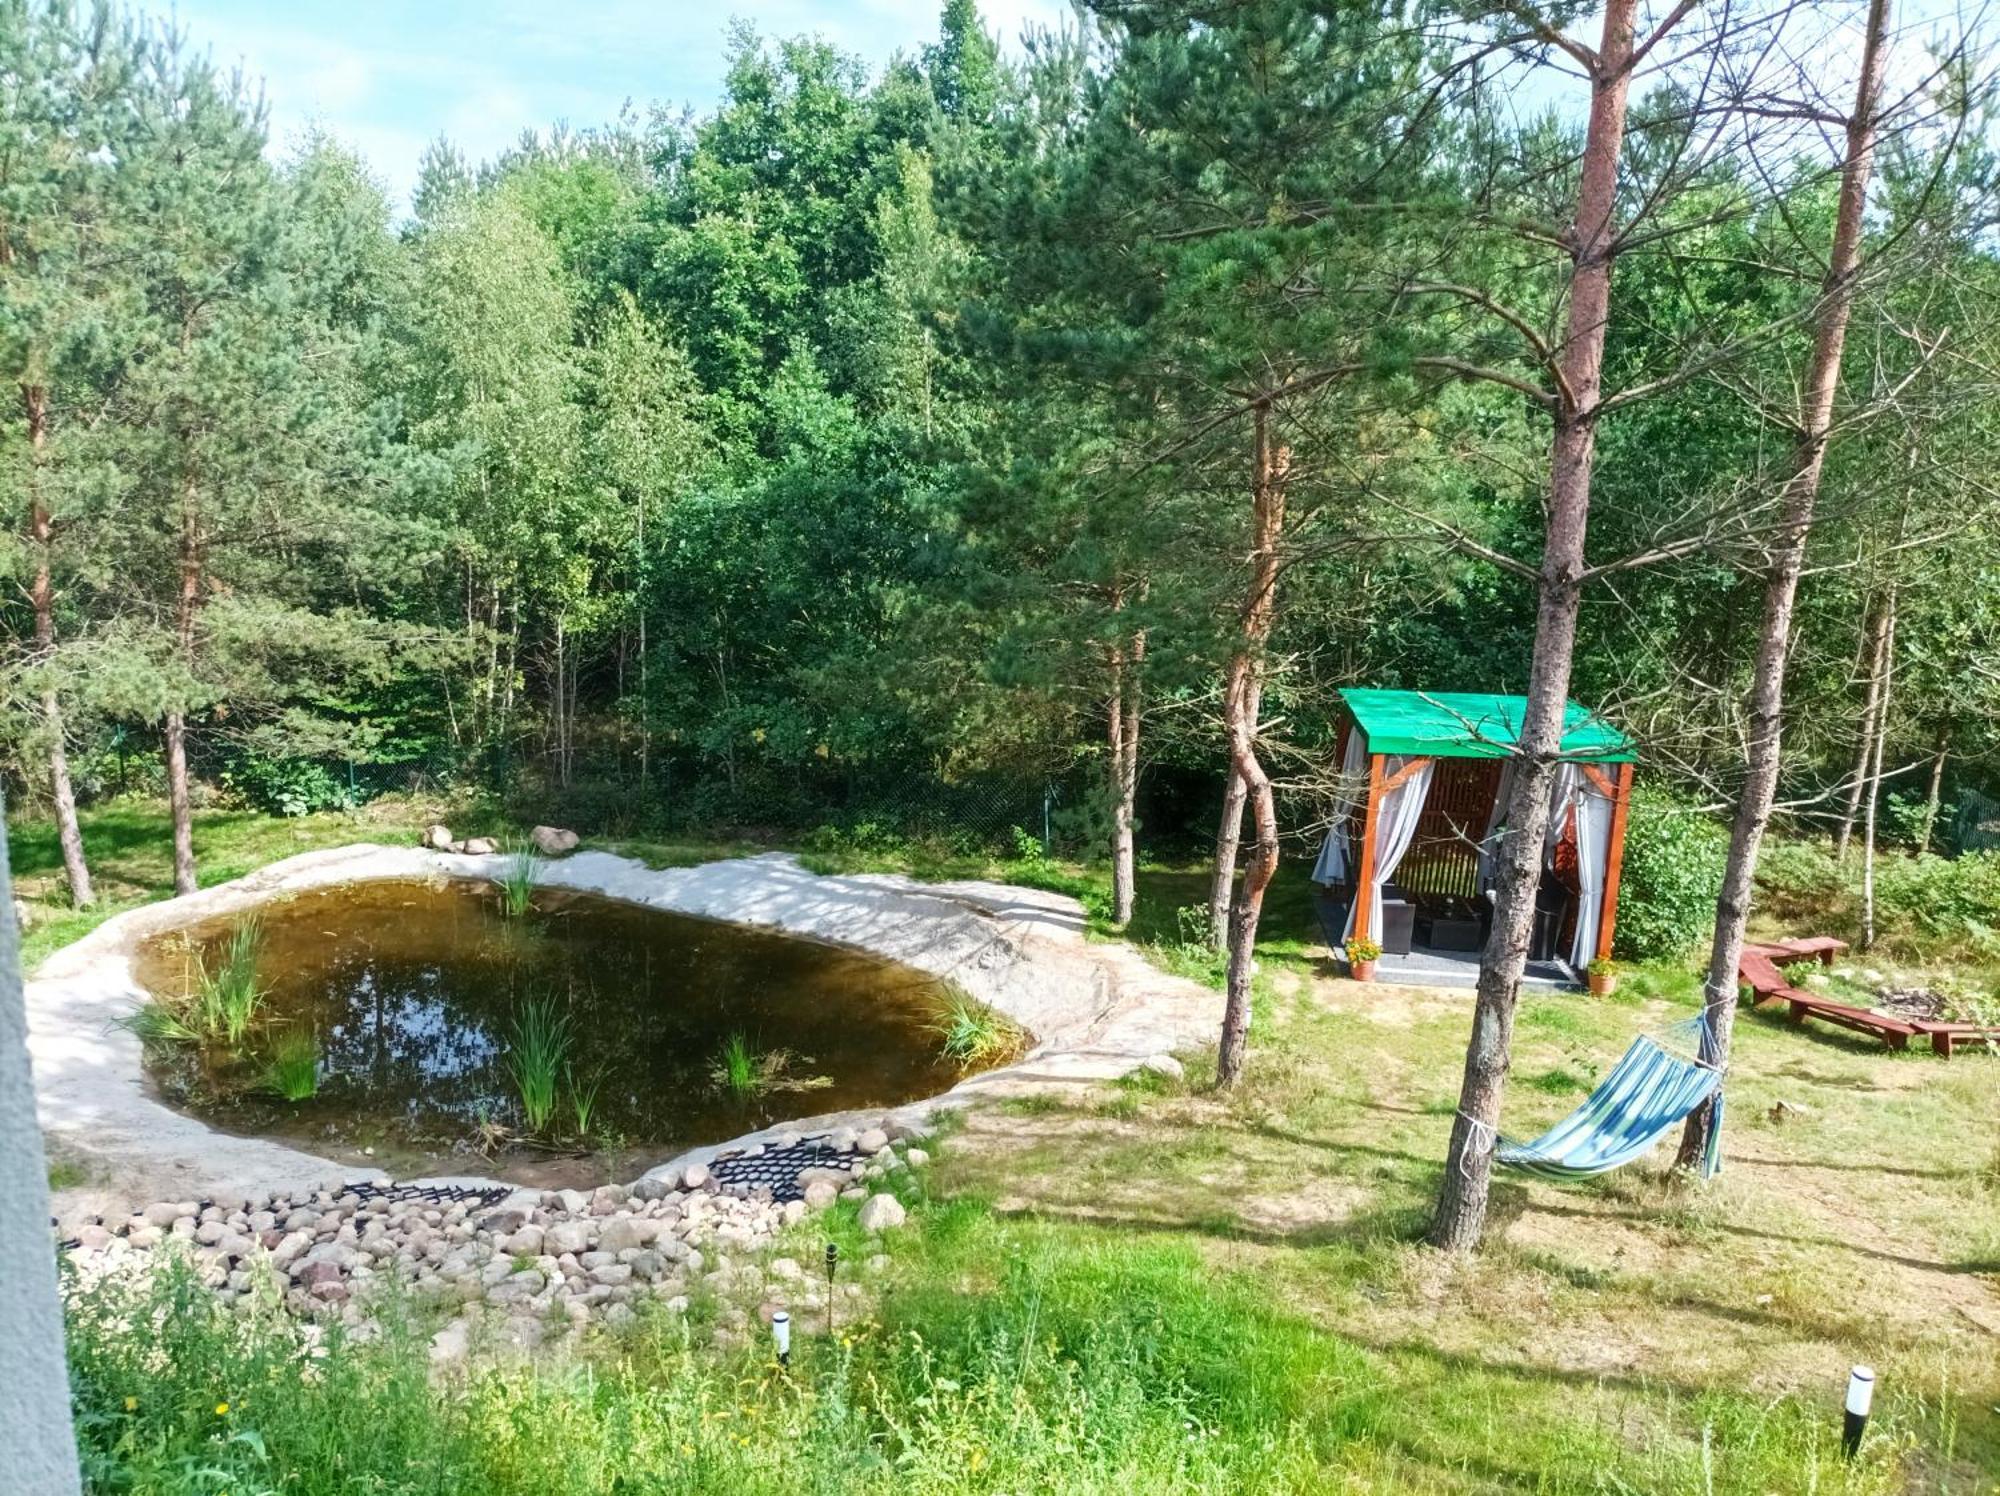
(1648, 1092)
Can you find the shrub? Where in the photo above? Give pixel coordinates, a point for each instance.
(1674, 857)
(970, 1033)
(287, 786)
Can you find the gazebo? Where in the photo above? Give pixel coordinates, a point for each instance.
(1408, 861)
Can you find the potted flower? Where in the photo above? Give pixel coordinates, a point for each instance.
(1362, 954)
(1603, 976)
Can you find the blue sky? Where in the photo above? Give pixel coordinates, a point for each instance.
(388, 78)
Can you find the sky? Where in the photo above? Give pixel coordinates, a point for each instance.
(388, 78)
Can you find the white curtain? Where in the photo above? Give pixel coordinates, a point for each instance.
(1395, 828)
(1562, 795)
(1493, 836)
(1333, 862)
(1593, 852)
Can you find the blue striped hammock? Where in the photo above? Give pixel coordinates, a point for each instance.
(1649, 1091)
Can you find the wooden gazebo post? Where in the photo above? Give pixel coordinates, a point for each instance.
(1614, 857)
(1364, 867)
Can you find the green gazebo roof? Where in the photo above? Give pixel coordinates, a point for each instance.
(1471, 724)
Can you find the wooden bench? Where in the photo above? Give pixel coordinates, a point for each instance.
(1760, 975)
(1945, 1037)
(1820, 948)
(1894, 1032)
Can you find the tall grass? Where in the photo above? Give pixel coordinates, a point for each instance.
(537, 1058)
(518, 876)
(227, 994)
(157, 1021)
(292, 1070)
(735, 1069)
(583, 1097)
(970, 1033)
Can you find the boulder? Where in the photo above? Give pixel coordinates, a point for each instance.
(438, 837)
(881, 1213)
(871, 1142)
(1163, 1065)
(694, 1176)
(553, 841)
(479, 846)
(567, 1236)
(820, 1194)
(619, 1233)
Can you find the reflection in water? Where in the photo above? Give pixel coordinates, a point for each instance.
(414, 991)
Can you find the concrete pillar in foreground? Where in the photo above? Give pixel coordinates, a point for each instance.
(37, 1442)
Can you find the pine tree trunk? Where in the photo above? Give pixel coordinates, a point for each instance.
(42, 597)
(1123, 738)
(1460, 1218)
(187, 604)
(1875, 784)
(1767, 687)
(1878, 617)
(1222, 882)
(1243, 691)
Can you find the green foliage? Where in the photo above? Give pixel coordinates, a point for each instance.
(1674, 857)
(287, 787)
(582, 1093)
(518, 876)
(537, 1057)
(736, 1070)
(227, 992)
(972, 1034)
(291, 1072)
(157, 1021)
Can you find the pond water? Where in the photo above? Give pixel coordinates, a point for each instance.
(420, 995)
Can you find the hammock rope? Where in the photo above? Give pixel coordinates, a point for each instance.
(1648, 1092)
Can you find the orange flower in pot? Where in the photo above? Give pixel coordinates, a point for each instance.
(1361, 958)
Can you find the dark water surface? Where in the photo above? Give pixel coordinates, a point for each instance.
(414, 991)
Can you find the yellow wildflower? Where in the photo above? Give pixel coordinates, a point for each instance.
(131, 1404)
(222, 1410)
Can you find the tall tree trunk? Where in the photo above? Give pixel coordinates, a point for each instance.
(1767, 687)
(1222, 881)
(1243, 691)
(1122, 712)
(187, 604)
(36, 1425)
(1927, 827)
(1461, 1207)
(1878, 619)
(42, 597)
(1875, 784)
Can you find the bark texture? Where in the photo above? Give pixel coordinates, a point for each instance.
(1767, 688)
(1242, 695)
(1126, 661)
(1460, 1217)
(42, 598)
(1222, 881)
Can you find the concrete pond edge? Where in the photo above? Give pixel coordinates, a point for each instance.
(1096, 1010)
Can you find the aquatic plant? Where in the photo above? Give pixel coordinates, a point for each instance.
(518, 876)
(158, 1021)
(583, 1097)
(745, 1072)
(736, 1069)
(970, 1033)
(292, 1071)
(227, 995)
(538, 1057)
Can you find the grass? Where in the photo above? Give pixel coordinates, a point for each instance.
(971, 1034)
(537, 1057)
(292, 1070)
(1155, 1287)
(735, 1069)
(518, 876)
(227, 993)
(582, 1097)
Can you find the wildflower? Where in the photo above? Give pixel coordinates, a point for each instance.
(222, 1410)
(131, 1404)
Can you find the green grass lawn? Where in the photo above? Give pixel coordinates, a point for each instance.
(1152, 1287)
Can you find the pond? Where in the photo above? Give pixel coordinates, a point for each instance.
(581, 1041)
